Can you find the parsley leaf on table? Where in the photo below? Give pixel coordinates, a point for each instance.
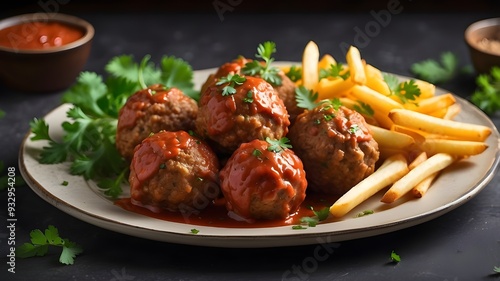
(496, 269)
(89, 134)
(487, 94)
(395, 257)
(266, 71)
(437, 72)
(41, 241)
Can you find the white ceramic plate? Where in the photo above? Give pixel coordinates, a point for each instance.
(455, 186)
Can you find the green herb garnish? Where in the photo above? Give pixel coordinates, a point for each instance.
(487, 94)
(319, 216)
(277, 146)
(334, 71)
(232, 80)
(496, 269)
(395, 257)
(364, 108)
(365, 213)
(437, 71)
(407, 90)
(249, 97)
(41, 241)
(266, 71)
(294, 73)
(194, 231)
(306, 98)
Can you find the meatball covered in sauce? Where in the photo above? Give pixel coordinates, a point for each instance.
(151, 110)
(258, 183)
(173, 171)
(252, 111)
(336, 147)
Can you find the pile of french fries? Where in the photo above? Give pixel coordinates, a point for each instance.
(417, 139)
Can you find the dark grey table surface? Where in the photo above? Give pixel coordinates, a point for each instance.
(463, 244)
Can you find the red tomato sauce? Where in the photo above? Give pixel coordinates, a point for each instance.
(39, 35)
(216, 215)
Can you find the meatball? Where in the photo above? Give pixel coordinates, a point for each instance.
(173, 171)
(286, 90)
(253, 111)
(261, 184)
(150, 111)
(336, 147)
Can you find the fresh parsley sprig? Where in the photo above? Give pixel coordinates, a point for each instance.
(434, 71)
(231, 80)
(307, 99)
(278, 146)
(312, 221)
(41, 241)
(88, 139)
(335, 70)
(406, 91)
(266, 71)
(294, 73)
(487, 94)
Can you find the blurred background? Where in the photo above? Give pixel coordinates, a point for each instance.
(243, 6)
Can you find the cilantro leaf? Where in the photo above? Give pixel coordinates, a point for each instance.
(364, 108)
(178, 73)
(306, 98)
(231, 80)
(277, 146)
(496, 269)
(40, 242)
(487, 93)
(405, 91)
(437, 71)
(319, 216)
(294, 73)
(334, 71)
(395, 257)
(266, 71)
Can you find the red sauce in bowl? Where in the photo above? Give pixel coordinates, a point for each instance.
(39, 35)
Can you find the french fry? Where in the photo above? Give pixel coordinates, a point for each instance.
(392, 139)
(333, 88)
(431, 104)
(453, 147)
(325, 62)
(356, 66)
(390, 171)
(418, 160)
(427, 89)
(430, 166)
(452, 111)
(379, 85)
(310, 59)
(433, 125)
(374, 99)
(421, 188)
(373, 72)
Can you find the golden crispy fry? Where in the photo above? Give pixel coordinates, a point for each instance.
(392, 139)
(430, 166)
(356, 66)
(431, 104)
(418, 160)
(373, 72)
(325, 62)
(427, 89)
(333, 88)
(453, 147)
(379, 85)
(421, 188)
(310, 59)
(390, 171)
(375, 99)
(433, 125)
(452, 111)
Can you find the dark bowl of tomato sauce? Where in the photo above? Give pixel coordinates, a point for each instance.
(43, 52)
